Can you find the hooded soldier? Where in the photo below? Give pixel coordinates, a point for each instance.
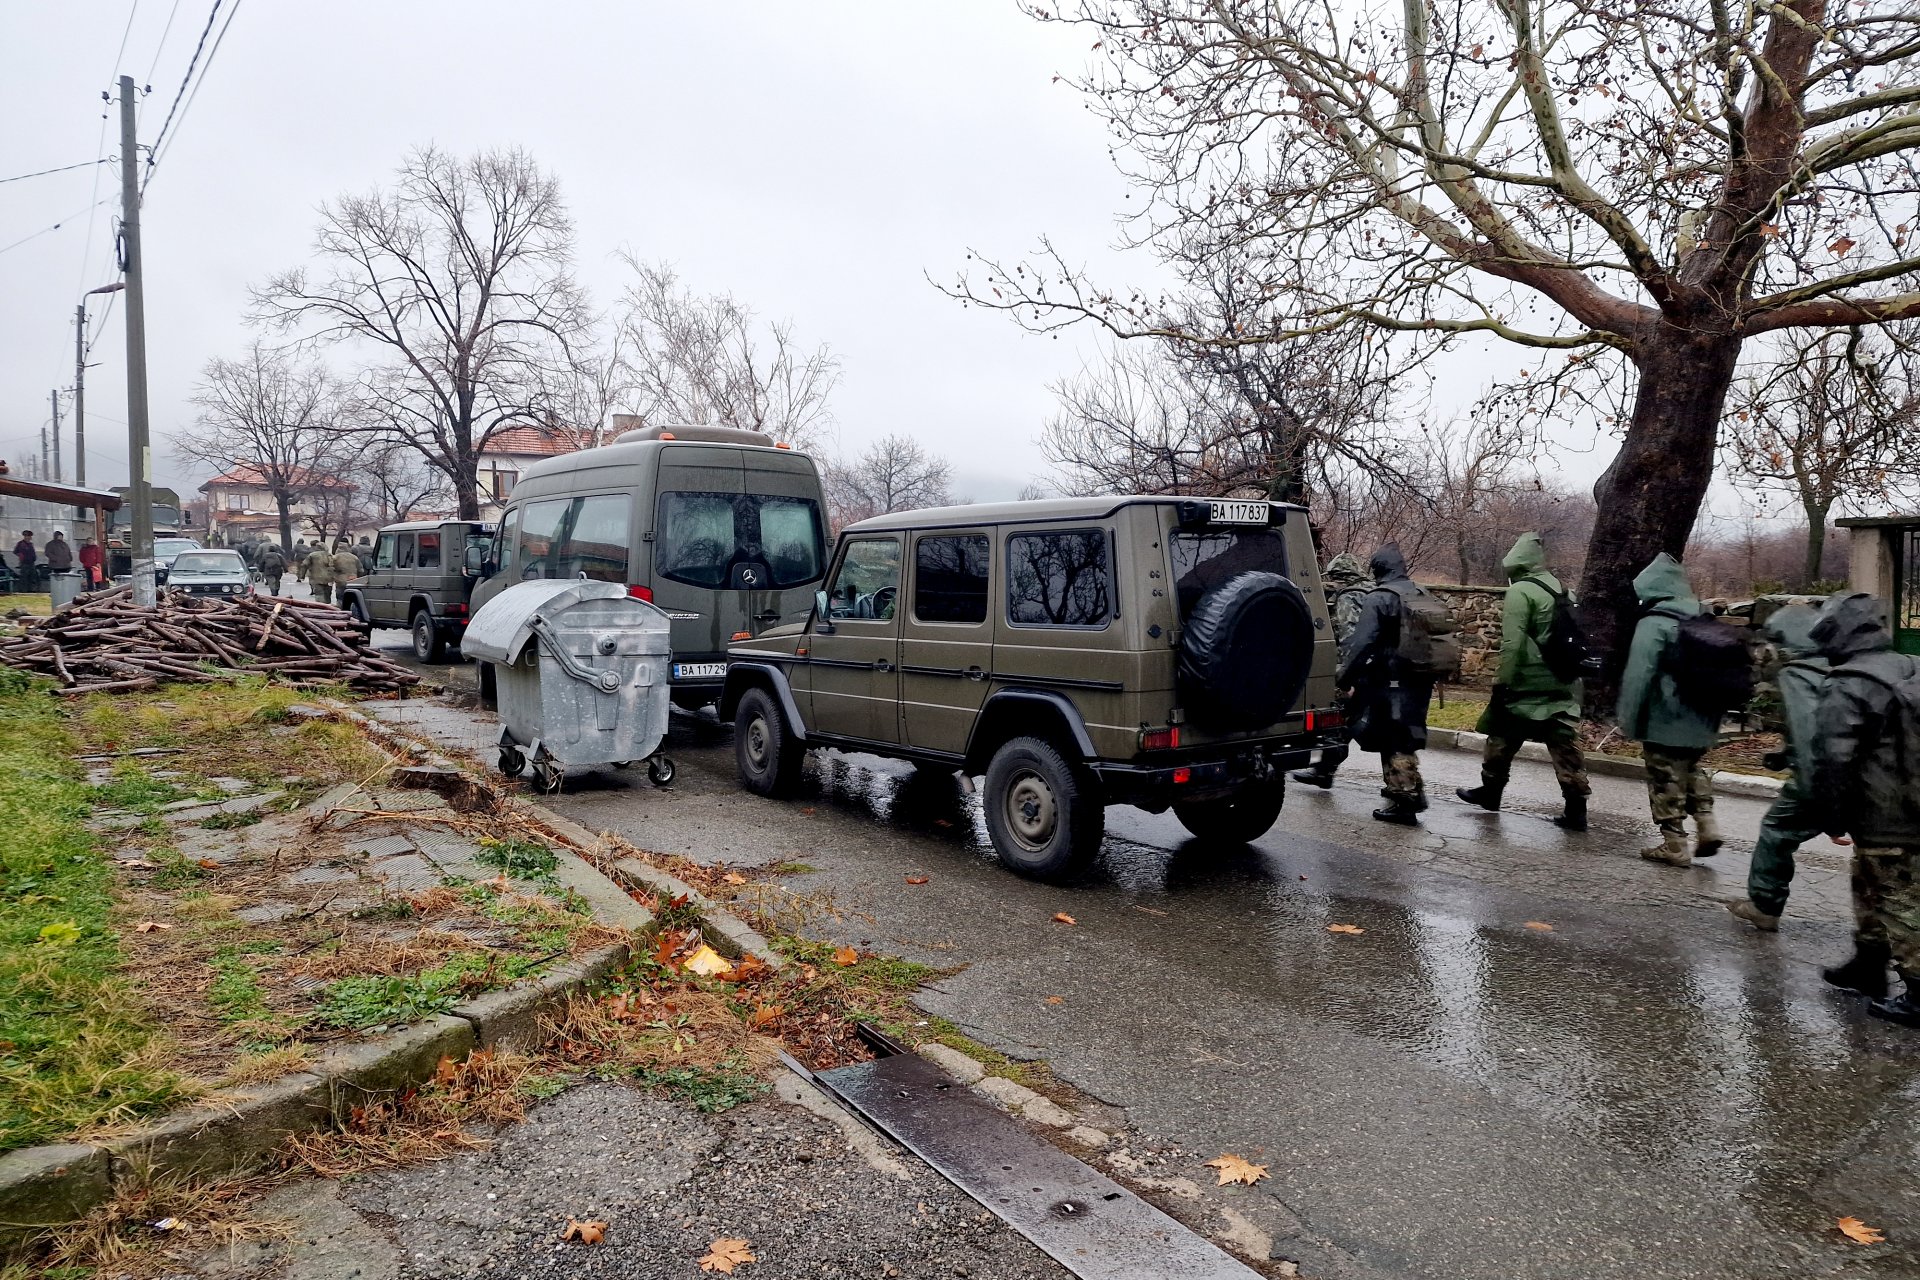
(1865, 785)
(1672, 733)
(272, 563)
(1793, 818)
(1387, 701)
(319, 573)
(1529, 702)
(1347, 584)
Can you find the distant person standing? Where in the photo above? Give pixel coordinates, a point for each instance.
(59, 553)
(1536, 689)
(1346, 578)
(1672, 695)
(1793, 818)
(25, 555)
(318, 571)
(364, 550)
(1866, 778)
(1402, 645)
(346, 567)
(92, 562)
(272, 564)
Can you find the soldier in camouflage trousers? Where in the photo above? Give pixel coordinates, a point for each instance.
(1347, 583)
(1864, 783)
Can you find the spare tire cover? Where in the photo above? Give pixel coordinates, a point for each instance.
(1245, 653)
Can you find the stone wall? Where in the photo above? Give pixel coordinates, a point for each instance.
(1476, 612)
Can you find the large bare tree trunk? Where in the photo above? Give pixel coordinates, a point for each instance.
(1650, 496)
(284, 502)
(1816, 543)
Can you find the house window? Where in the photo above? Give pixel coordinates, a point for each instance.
(503, 484)
(236, 502)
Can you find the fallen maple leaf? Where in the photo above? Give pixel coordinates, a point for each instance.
(1859, 1232)
(1056, 999)
(1540, 926)
(591, 1232)
(916, 879)
(150, 926)
(206, 864)
(734, 877)
(708, 963)
(1235, 1169)
(726, 1254)
(846, 956)
(1061, 917)
(1345, 928)
(763, 1014)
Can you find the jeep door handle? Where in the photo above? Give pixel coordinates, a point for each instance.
(771, 615)
(974, 673)
(881, 664)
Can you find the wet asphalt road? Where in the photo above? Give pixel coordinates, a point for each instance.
(1646, 1089)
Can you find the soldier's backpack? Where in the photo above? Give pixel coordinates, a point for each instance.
(1711, 668)
(1901, 732)
(1564, 647)
(1428, 647)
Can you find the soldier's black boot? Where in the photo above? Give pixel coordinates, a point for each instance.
(1865, 973)
(1400, 812)
(1312, 777)
(1575, 817)
(1486, 797)
(1903, 1008)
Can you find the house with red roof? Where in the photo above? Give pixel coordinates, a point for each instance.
(241, 505)
(508, 453)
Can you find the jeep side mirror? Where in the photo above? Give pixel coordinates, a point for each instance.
(475, 559)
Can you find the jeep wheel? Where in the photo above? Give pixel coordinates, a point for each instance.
(428, 645)
(764, 747)
(357, 606)
(1044, 816)
(1236, 819)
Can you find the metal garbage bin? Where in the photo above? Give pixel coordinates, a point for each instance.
(582, 673)
(65, 587)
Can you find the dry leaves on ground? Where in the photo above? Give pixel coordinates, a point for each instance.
(1859, 1232)
(151, 926)
(1345, 928)
(708, 963)
(1061, 917)
(916, 879)
(592, 1231)
(846, 956)
(1056, 999)
(1539, 926)
(206, 864)
(725, 1254)
(1237, 1169)
(733, 877)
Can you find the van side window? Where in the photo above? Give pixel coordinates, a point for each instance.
(406, 552)
(1059, 579)
(539, 535)
(950, 578)
(383, 556)
(429, 549)
(597, 539)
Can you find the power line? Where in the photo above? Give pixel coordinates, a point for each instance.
(153, 155)
(164, 33)
(65, 168)
(55, 227)
(153, 148)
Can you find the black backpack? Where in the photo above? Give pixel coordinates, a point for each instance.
(1564, 647)
(1711, 668)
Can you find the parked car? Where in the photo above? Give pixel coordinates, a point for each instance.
(214, 572)
(422, 579)
(166, 550)
(721, 528)
(1161, 652)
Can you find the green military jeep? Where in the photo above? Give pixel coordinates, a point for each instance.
(1160, 652)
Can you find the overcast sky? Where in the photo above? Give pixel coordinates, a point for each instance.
(818, 161)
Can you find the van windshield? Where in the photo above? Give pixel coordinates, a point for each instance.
(739, 540)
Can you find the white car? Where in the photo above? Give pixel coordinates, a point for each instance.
(210, 573)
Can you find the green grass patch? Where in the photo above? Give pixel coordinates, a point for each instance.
(1459, 713)
(75, 1048)
(887, 973)
(366, 1002)
(711, 1089)
(521, 859)
(136, 790)
(224, 821)
(792, 869)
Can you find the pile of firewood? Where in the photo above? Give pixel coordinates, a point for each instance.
(105, 642)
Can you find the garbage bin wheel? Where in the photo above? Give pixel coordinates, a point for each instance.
(512, 761)
(764, 748)
(660, 770)
(548, 776)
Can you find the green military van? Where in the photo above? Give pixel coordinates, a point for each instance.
(721, 528)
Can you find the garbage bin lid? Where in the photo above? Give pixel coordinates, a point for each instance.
(501, 628)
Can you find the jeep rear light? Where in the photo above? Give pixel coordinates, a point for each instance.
(1160, 739)
(639, 592)
(1182, 775)
(1324, 720)
(457, 610)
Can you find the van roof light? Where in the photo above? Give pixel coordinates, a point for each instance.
(782, 444)
(668, 435)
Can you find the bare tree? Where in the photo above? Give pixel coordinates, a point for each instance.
(893, 474)
(1830, 420)
(461, 273)
(709, 360)
(1572, 176)
(277, 416)
(390, 480)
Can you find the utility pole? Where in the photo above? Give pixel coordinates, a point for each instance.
(54, 396)
(80, 398)
(44, 473)
(139, 453)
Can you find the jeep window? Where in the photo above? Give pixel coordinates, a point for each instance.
(596, 544)
(703, 538)
(383, 556)
(1205, 558)
(868, 583)
(406, 552)
(950, 578)
(1059, 579)
(429, 550)
(539, 535)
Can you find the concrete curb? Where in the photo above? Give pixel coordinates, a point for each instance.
(1725, 781)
